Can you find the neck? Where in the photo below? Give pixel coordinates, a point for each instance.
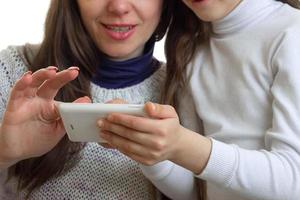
(245, 14)
(112, 74)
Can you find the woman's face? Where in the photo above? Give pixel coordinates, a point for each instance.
(120, 28)
(211, 10)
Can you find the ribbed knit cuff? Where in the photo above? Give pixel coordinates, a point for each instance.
(157, 171)
(221, 165)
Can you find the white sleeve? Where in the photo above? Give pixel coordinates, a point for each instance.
(174, 181)
(273, 173)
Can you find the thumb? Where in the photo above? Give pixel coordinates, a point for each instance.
(117, 101)
(84, 99)
(155, 110)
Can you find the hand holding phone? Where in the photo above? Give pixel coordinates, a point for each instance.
(80, 119)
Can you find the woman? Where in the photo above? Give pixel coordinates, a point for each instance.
(109, 44)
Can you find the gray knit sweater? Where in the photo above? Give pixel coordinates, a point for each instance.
(100, 173)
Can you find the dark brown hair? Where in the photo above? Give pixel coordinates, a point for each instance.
(66, 43)
(186, 34)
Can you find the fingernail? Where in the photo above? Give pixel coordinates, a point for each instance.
(27, 73)
(74, 68)
(52, 68)
(153, 107)
(100, 123)
(110, 117)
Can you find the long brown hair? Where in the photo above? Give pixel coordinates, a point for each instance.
(66, 43)
(186, 34)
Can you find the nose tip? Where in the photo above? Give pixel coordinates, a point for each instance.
(119, 7)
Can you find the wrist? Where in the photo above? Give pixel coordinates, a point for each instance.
(5, 161)
(192, 151)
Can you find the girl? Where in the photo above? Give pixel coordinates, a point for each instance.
(111, 42)
(236, 66)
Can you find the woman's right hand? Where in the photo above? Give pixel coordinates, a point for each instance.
(31, 125)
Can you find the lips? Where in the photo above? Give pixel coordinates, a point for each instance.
(119, 31)
(119, 28)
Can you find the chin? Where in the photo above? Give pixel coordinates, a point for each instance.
(210, 18)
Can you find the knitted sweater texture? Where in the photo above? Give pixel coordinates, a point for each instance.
(100, 173)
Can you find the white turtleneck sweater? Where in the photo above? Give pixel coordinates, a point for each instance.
(245, 86)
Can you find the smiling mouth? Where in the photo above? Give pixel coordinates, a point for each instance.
(119, 28)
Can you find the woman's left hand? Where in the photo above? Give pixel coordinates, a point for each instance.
(147, 140)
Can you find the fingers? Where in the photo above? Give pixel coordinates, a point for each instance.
(49, 88)
(140, 158)
(141, 124)
(123, 145)
(42, 80)
(42, 75)
(139, 137)
(117, 101)
(106, 145)
(133, 150)
(38, 78)
(85, 99)
(19, 88)
(159, 111)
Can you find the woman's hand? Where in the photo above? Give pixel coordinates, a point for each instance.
(31, 124)
(146, 140)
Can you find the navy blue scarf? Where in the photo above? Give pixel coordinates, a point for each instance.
(120, 74)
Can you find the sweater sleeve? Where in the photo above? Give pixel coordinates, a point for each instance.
(173, 180)
(11, 68)
(272, 173)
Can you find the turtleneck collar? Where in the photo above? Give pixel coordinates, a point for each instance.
(246, 13)
(120, 74)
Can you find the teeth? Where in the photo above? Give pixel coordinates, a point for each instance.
(120, 28)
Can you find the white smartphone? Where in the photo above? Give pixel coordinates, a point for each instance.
(80, 119)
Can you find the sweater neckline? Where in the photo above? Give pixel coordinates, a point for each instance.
(112, 74)
(246, 13)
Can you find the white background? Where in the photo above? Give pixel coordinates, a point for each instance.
(22, 21)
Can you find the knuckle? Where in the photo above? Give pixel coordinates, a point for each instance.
(149, 162)
(104, 125)
(107, 126)
(127, 148)
(155, 155)
(131, 123)
(159, 145)
(126, 133)
(162, 131)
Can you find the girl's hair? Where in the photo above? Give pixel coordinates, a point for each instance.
(66, 43)
(186, 34)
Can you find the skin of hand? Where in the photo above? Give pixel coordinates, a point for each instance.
(31, 124)
(113, 101)
(158, 137)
